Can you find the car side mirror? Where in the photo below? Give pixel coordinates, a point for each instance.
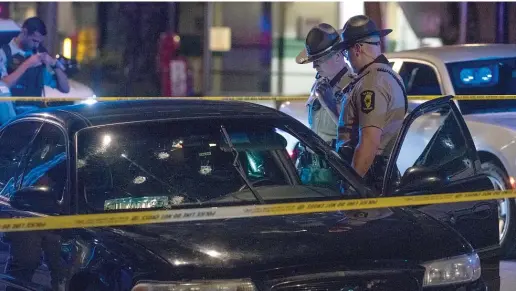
(417, 179)
(39, 199)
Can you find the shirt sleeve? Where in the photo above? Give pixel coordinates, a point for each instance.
(372, 102)
(49, 79)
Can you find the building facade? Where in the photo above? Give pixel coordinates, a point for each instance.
(264, 37)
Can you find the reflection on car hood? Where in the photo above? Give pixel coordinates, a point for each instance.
(77, 90)
(261, 242)
(505, 119)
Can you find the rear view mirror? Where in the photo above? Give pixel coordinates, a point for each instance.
(38, 199)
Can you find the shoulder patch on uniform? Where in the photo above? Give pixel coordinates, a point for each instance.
(367, 101)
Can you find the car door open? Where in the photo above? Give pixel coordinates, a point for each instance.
(434, 154)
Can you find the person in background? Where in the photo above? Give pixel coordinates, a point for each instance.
(7, 110)
(26, 67)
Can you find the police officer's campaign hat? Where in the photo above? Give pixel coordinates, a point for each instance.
(321, 40)
(360, 27)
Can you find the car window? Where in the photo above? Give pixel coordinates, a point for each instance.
(14, 143)
(159, 164)
(313, 169)
(46, 163)
(435, 145)
(419, 79)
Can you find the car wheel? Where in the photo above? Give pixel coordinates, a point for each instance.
(93, 287)
(506, 210)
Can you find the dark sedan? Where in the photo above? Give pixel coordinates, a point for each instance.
(131, 156)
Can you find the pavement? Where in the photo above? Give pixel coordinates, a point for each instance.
(508, 276)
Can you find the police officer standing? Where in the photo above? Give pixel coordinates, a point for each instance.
(26, 67)
(323, 48)
(373, 114)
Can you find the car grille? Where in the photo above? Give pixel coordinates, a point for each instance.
(351, 281)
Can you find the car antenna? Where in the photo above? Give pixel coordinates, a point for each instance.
(238, 165)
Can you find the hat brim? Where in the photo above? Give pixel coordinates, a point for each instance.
(349, 42)
(303, 58)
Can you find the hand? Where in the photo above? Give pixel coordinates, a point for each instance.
(47, 59)
(323, 87)
(33, 61)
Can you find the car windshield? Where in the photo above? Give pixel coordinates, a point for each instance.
(484, 77)
(170, 164)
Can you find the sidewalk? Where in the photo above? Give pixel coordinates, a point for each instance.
(507, 275)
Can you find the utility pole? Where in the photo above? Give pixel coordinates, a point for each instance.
(463, 22)
(281, 45)
(206, 58)
(47, 11)
(502, 22)
(173, 16)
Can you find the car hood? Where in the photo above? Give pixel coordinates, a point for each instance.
(505, 119)
(261, 242)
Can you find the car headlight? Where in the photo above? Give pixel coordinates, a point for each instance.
(223, 285)
(454, 270)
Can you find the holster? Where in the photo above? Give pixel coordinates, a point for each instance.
(375, 175)
(346, 150)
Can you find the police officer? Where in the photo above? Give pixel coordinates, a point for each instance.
(26, 67)
(373, 114)
(323, 48)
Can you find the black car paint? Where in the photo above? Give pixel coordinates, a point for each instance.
(116, 258)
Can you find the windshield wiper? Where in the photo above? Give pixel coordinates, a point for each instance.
(238, 165)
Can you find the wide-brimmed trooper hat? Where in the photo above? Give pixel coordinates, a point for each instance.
(360, 27)
(321, 40)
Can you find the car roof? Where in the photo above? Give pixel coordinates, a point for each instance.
(8, 25)
(110, 112)
(458, 53)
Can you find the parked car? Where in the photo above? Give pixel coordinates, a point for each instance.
(170, 154)
(478, 69)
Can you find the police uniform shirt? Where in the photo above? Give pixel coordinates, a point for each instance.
(319, 118)
(376, 99)
(49, 78)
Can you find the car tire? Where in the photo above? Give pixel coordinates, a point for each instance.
(507, 208)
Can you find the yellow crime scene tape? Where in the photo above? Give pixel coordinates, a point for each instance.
(243, 98)
(233, 212)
